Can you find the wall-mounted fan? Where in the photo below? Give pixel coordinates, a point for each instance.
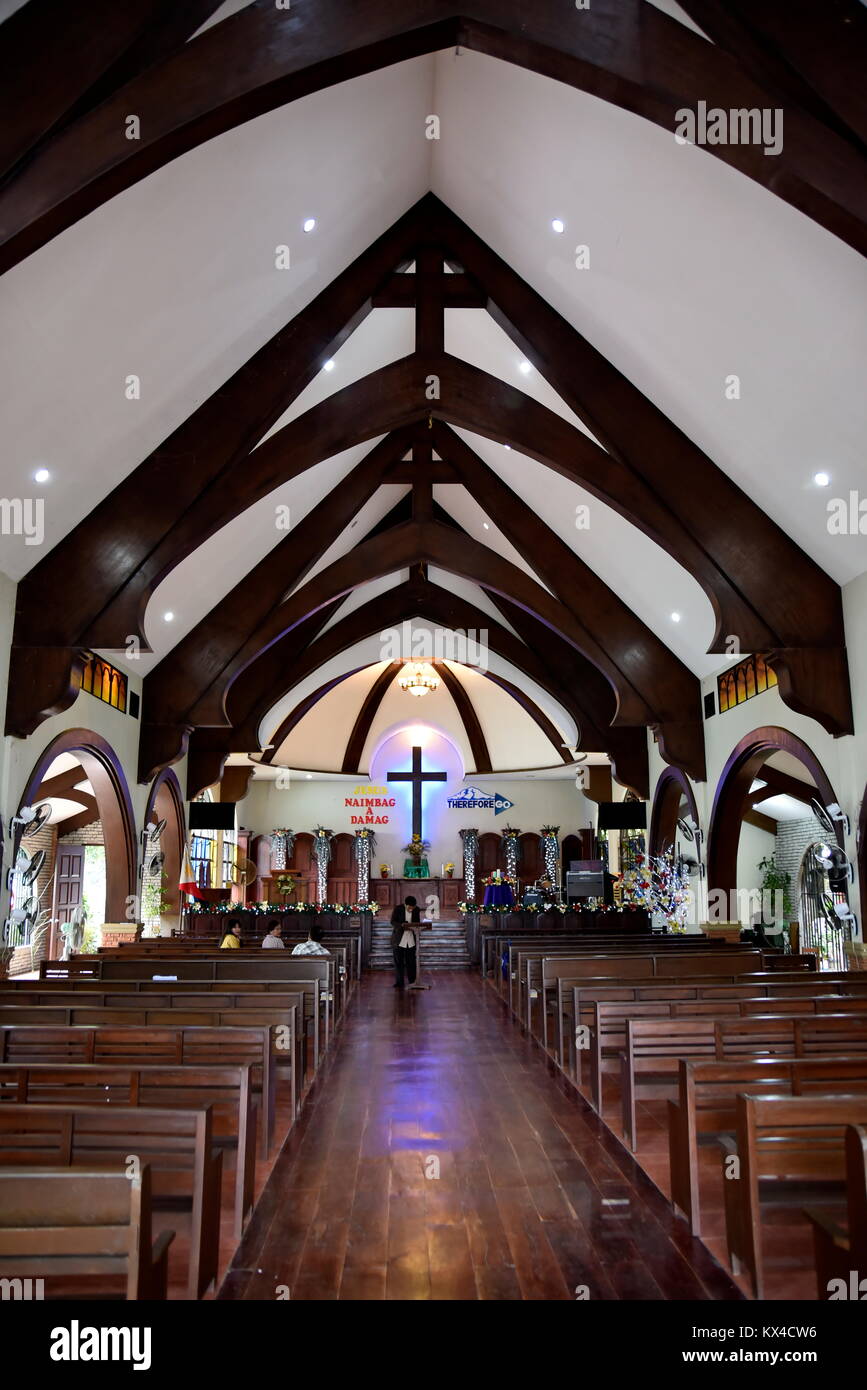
(691, 863)
(34, 868)
(248, 874)
(153, 833)
(829, 817)
(835, 862)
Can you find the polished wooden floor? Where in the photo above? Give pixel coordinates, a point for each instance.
(440, 1157)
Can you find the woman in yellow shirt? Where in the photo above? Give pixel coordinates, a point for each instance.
(232, 938)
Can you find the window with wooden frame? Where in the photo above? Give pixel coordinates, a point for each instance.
(750, 677)
(105, 682)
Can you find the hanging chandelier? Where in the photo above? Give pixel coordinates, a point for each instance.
(419, 679)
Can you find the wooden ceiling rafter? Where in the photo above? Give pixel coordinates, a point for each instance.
(468, 716)
(623, 51)
(394, 399)
(270, 678)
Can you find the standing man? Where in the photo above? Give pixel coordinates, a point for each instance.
(403, 940)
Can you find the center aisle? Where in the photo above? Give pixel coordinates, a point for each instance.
(534, 1196)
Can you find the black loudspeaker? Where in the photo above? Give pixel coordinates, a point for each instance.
(622, 815)
(212, 815)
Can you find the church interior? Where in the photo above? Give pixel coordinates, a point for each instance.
(433, 544)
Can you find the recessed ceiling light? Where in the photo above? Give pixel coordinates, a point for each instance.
(329, 365)
(310, 224)
(507, 446)
(41, 475)
(821, 479)
(525, 367)
(558, 225)
(168, 617)
(675, 617)
(310, 777)
(486, 526)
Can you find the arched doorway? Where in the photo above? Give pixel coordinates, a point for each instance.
(764, 800)
(861, 851)
(161, 894)
(673, 800)
(80, 770)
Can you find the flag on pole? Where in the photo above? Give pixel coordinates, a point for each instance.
(188, 879)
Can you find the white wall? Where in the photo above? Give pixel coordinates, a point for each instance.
(19, 756)
(844, 759)
(304, 805)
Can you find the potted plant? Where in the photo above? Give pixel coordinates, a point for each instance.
(777, 881)
(384, 871)
(450, 870)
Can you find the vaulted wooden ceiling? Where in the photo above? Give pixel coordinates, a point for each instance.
(563, 627)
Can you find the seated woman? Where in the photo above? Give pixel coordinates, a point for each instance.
(271, 940)
(232, 936)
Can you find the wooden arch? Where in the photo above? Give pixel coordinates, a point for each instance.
(732, 796)
(65, 154)
(861, 852)
(103, 770)
(166, 802)
(672, 787)
(647, 470)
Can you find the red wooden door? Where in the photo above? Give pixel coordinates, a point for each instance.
(68, 887)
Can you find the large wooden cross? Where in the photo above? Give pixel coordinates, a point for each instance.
(417, 777)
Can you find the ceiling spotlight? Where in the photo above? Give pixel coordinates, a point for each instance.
(558, 225)
(821, 479)
(41, 475)
(309, 776)
(329, 365)
(486, 526)
(525, 367)
(507, 446)
(310, 224)
(675, 617)
(168, 617)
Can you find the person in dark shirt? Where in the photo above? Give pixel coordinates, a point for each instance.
(404, 940)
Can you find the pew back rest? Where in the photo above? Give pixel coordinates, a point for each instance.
(796, 1137)
(831, 1034)
(54, 1222)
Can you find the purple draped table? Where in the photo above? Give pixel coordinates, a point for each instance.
(499, 895)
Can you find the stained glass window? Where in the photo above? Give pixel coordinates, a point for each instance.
(750, 677)
(104, 682)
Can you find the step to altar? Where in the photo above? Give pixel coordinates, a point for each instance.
(443, 947)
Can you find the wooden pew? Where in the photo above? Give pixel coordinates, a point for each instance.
(68, 1225)
(168, 993)
(228, 1090)
(784, 1141)
(525, 958)
(777, 985)
(705, 1108)
(840, 1238)
(171, 1047)
(654, 1047)
(183, 1010)
(176, 1144)
(608, 1022)
(670, 963)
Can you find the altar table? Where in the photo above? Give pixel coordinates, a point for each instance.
(411, 869)
(499, 895)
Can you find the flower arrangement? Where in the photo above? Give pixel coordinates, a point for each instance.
(499, 877)
(416, 847)
(659, 885)
(469, 907)
(449, 868)
(285, 885)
